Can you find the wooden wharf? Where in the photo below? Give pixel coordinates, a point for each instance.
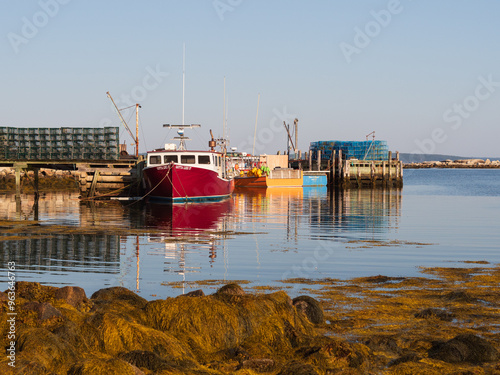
(93, 177)
(354, 173)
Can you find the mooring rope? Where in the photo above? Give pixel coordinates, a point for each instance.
(180, 181)
(151, 190)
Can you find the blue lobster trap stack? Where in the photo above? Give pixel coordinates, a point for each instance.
(362, 150)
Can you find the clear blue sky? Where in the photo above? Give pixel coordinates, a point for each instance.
(424, 75)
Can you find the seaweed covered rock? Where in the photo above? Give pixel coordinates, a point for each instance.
(43, 310)
(384, 343)
(259, 364)
(35, 291)
(464, 348)
(298, 368)
(262, 324)
(311, 308)
(28, 367)
(459, 296)
(113, 334)
(46, 349)
(224, 333)
(73, 295)
(434, 313)
(195, 293)
(232, 289)
(410, 357)
(327, 352)
(146, 359)
(111, 366)
(121, 294)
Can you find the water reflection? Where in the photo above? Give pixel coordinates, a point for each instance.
(179, 218)
(321, 211)
(63, 252)
(185, 228)
(205, 241)
(358, 210)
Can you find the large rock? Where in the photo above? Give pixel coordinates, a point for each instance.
(263, 324)
(112, 366)
(73, 295)
(121, 294)
(44, 310)
(297, 368)
(146, 359)
(311, 308)
(431, 313)
(195, 293)
(232, 289)
(464, 348)
(34, 291)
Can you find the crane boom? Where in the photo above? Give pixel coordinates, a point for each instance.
(287, 128)
(136, 138)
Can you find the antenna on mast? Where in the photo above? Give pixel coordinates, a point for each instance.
(183, 78)
(224, 111)
(180, 131)
(255, 131)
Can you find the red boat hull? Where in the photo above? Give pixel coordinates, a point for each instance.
(181, 183)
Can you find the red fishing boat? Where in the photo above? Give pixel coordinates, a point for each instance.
(178, 175)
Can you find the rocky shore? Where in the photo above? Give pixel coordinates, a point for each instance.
(115, 331)
(47, 179)
(462, 163)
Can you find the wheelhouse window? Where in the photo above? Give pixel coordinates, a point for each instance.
(154, 159)
(170, 158)
(188, 159)
(203, 159)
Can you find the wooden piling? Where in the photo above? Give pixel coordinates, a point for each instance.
(390, 167)
(18, 180)
(35, 170)
(365, 173)
(372, 173)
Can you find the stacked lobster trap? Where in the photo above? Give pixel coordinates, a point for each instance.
(363, 150)
(59, 143)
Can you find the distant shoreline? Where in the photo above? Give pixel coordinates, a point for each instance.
(462, 163)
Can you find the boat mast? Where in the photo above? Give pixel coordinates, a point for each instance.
(224, 111)
(255, 131)
(183, 78)
(137, 106)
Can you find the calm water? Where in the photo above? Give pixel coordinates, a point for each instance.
(439, 218)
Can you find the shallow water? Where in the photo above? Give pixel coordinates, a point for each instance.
(440, 218)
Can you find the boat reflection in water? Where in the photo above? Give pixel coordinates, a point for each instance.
(193, 227)
(255, 235)
(177, 218)
(325, 214)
